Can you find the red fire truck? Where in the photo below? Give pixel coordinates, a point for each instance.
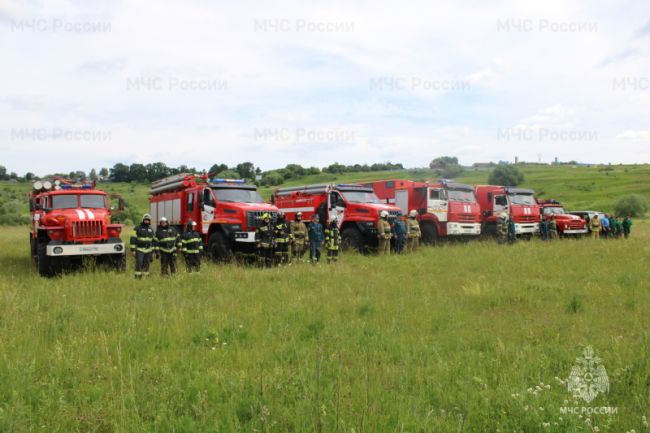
(70, 221)
(567, 224)
(356, 207)
(227, 211)
(517, 203)
(445, 208)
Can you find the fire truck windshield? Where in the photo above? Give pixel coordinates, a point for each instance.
(461, 195)
(525, 199)
(64, 201)
(93, 201)
(238, 195)
(360, 197)
(554, 211)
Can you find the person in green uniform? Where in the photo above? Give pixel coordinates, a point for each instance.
(627, 226)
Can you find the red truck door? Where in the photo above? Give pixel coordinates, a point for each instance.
(438, 203)
(207, 210)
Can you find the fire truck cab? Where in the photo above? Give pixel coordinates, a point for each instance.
(518, 203)
(227, 211)
(445, 208)
(355, 206)
(70, 221)
(567, 224)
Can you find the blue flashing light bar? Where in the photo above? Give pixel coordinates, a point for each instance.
(227, 181)
(65, 186)
(349, 185)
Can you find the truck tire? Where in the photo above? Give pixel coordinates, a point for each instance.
(351, 239)
(44, 262)
(219, 248)
(429, 234)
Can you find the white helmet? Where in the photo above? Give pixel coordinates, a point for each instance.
(413, 213)
(163, 219)
(503, 216)
(383, 214)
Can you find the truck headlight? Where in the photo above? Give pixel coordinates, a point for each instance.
(118, 247)
(57, 250)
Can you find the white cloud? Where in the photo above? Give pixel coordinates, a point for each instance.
(634, 135)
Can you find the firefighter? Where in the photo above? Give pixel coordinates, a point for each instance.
(627, 226)
(595, 227)
(552, 229)
(192, 247)
(399, 234)
(543, 228)
(282, 236)
(332, 241)
(298, 236)
(502, 228)
(413, 232)
(512, 231)
(264, 241)
(384, 234)
(142, 246)
(315, 235)
(167, 242)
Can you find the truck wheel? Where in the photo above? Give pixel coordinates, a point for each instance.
(44, 262)
(219, 248)
(429, 234)
(351, 239)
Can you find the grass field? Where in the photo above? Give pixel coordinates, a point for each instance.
(452, 339)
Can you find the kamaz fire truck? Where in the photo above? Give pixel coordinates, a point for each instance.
(518, 203)
(356, 207)
(70, 221)
(567, 224)
(227, 211)
(444, 208)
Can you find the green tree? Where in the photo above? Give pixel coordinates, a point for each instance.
(3, 173)
(103, 173)
(632, 204)
(228, 174)
(246, 170)
(93, 175)
(120, 173)
(506, 175)
(29, 176)
(272, 178)
(157, 170)
(217, 168)
(138, 172)
(442, 162)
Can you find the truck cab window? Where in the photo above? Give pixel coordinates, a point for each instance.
(501, 200)
(207, 197)
(336, 200)
(436, 194)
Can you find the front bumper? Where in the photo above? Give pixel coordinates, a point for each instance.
(463, 229)
(527, 228)
(85, 249)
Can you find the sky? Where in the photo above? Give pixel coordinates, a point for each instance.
(89, 83)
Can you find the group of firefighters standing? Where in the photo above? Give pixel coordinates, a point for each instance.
(165, 243)
(610, 226)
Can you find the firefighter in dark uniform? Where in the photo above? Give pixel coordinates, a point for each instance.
(315, 235)
(192, 247)
(282, 236)
(298, 236)
(502, 228)
(142, 246)
(512, 231)
(167, 243)
(264, 241)
(332, 241)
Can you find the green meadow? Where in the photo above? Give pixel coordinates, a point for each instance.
(462, 337)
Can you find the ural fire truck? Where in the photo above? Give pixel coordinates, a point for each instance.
(227, 211)
(356, 207)
(567, 224)
(70, 221)
(517, 203)
(445, 208)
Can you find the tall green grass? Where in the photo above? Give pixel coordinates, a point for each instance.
(450, 339)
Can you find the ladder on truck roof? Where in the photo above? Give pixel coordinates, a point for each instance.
(174, 182)
(321, 188)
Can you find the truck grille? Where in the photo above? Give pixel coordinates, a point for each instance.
(528, 219)
(467, 218)
(575, 225)
(87, 229)
(254, 218)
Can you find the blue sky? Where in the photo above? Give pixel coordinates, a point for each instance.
(90, 83)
